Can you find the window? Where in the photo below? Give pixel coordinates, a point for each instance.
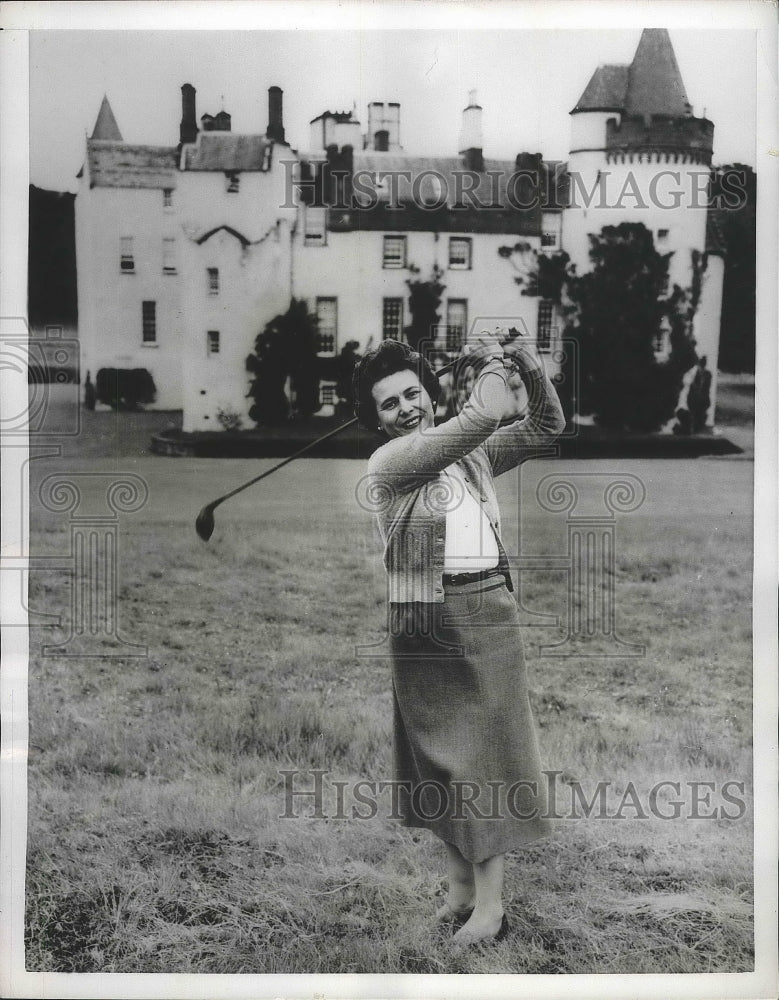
(456, 323)
(327, 325)
(127, 260)
(213, 280)
(167, 197)
(392, 319)
(548, 239)
(381, 141)
(459, 253)
(233, 181)
(394, 251)
(212, 342)
(168, 256)
(53, 331)
(149, 312)
(315, 231)
(545, 324)
(662, 237)
(329, 395)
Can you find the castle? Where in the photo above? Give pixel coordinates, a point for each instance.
(185, 252)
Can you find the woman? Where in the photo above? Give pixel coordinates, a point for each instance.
(466, 758)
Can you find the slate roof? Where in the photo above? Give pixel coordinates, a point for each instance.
(490, 190)
(105, 125)
(605, 91)
(126, 165)
(651, 85)
(227, 151)
(655, 85)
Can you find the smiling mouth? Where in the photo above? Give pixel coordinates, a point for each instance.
(412, 423)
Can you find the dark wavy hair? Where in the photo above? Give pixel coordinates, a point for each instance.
(389, 357)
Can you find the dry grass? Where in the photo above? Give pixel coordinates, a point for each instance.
(156, 843)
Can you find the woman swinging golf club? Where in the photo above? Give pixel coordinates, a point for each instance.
(466, 758)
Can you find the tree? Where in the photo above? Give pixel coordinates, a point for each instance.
(622, 309)
(268, 366)
(287, 347)
(424, 300)
(734, 215)
(302, 342)
(615, 313)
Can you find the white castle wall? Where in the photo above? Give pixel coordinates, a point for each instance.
(109, 300)
(253, 288)
(706, 326)
(588, 129)
(350, 268)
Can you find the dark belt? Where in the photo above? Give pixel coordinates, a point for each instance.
(455, 579)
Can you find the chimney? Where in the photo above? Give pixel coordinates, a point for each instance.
(275, 129)
(470, 135)
(188, 129)
(383, 127)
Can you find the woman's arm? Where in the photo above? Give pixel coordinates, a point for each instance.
(544, 419)
(429, 451)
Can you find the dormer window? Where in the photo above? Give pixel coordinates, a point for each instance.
(233, 180)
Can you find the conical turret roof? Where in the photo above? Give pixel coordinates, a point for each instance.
(105, 126)
(650, 85)
(655, 85)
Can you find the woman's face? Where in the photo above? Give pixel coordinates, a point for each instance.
(402, 404)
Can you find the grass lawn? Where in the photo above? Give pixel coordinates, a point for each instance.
(156, 842)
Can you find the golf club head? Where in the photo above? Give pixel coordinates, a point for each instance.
(204, 523)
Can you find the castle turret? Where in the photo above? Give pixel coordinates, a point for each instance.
(638, 154)
(105, 125)
(641, 108)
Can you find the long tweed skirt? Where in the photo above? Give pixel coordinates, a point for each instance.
(467, 765)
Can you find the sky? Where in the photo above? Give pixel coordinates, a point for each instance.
(527, 81)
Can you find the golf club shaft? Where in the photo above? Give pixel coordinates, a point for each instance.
(312, 444)
(290, 458)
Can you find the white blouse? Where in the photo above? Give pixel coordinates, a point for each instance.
(470, 541)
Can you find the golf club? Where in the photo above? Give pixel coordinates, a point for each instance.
(204, 523)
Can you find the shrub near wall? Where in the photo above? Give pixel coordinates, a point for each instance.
(125, 388)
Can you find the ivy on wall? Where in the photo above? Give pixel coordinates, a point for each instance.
(614, 315)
